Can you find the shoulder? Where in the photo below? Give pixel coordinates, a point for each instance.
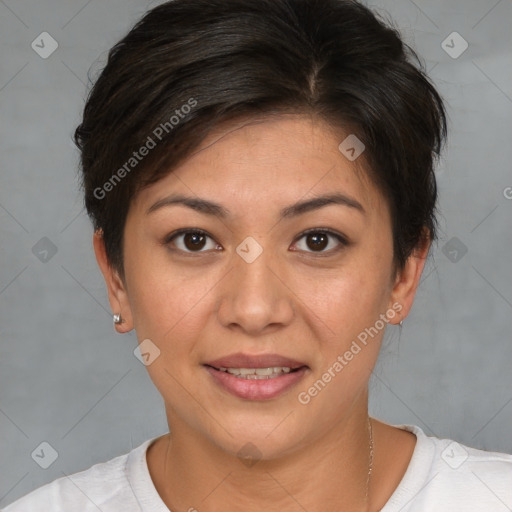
(104, 486)
(483, 477)
(446, 475)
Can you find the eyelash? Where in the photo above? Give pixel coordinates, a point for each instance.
(343, 241)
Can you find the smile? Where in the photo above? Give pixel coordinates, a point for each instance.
(256, 383)
(257, 373)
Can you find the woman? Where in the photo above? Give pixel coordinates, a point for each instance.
(260, 178)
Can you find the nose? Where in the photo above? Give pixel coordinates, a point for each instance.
(254, 297)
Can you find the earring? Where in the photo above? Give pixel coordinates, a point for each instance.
(401, 323)
(117, 318)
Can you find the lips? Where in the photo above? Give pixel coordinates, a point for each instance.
(241, 360)
(237, 375)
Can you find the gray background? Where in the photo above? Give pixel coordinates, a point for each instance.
(68, 379)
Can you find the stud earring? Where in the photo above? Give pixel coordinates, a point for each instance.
(117, 319)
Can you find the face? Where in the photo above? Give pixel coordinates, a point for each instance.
(257, 281)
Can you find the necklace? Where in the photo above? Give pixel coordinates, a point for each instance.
(370, 464)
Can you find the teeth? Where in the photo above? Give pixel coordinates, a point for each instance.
(257, 373)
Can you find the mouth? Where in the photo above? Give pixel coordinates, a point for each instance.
(256, 377)
(258, 373)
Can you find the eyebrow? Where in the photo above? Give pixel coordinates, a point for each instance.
(211, 208)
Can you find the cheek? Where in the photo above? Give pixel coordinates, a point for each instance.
(352, 309)
(164, 305)
(169, 309)
(169, 303)
(354, 297)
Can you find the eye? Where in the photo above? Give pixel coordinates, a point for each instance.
(194, 240)
(317, 239)
(190, 240)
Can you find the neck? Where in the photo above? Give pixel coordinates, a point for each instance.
(189, 471)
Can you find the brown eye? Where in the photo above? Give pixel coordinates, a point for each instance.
(190, 240)
(318, 240)
(194, 241)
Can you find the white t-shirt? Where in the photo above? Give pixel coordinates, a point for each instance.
(442, 476)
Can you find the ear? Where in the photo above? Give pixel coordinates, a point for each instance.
(116, 288)
(407, 280)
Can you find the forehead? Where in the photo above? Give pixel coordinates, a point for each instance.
(278, 161)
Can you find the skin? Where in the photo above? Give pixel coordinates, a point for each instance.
(308, 304)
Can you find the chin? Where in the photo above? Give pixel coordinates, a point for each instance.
(257, 439)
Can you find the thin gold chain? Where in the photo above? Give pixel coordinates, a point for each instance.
(370, 464)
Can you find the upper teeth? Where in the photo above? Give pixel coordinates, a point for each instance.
(257, 373)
